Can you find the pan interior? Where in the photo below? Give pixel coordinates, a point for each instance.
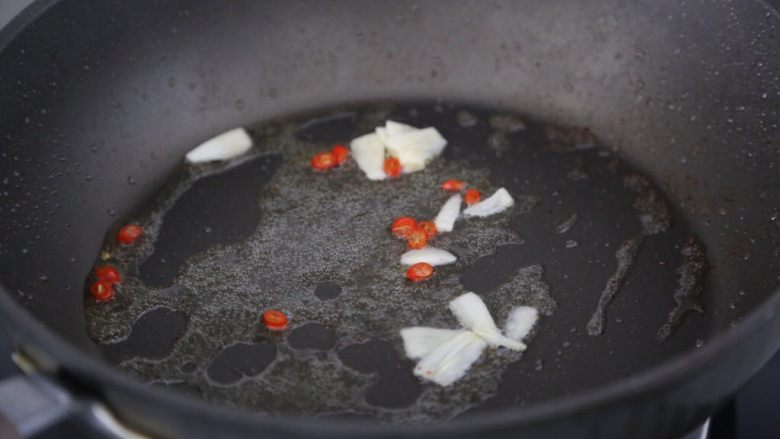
(225, 241)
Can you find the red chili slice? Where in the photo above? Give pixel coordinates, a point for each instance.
(275, 320)
(324, 161)
(429, 228)
(341, 153)
(472, 197)
(402, 226)
(129, 234)
(419, 272)
(102, 291)
(416, 239)
(109, 274)
(392, 167)
(453, 185)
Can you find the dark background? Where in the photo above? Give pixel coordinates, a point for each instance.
(754, 414)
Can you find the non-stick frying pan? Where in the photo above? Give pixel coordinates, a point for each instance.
(688, 94)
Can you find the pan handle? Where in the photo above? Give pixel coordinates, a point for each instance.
(34, 402)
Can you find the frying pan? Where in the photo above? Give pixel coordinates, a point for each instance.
(687, 93)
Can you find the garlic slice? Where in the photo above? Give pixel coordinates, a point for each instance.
(420, 341)
(449, 212)
(445, 355)
(498, 202)
(394, 128)
(449, 361)
(369, 154)
(381, 132)
(520, 322)
(414, 148)
(225, 146)
(429, 255)
(473, 314)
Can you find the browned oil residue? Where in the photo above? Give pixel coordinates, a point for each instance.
(690, 286)
(626, 256)
(654, 212)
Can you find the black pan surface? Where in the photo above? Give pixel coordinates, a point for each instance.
(591, 243)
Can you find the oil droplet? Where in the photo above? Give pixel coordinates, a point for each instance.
(498, 142)
(538, 365)
(507, 123)
(699, 343)
(327, 290)
(567, 224)
(466, 119)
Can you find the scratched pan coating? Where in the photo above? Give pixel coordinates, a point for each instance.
(591, 242)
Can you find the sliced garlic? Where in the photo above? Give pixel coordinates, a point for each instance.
(420, 341)
(394, 128)
(449, 361)
(369, 154)
(414, 148)
(498, 202)
(225, 146)
(520, 322)
(473, 314)
(381, 132)
(445, 355)
(429, 255)
(449, 212)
